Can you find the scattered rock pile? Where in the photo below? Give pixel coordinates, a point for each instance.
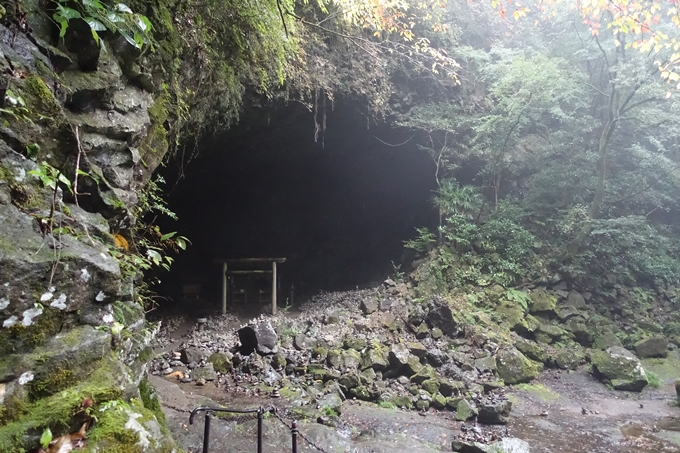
(367, 345)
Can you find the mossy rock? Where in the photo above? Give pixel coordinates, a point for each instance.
(319, 353)
(422, 405)
(424, 373)
(363, 393)
(375, 359)
(220, 362)
(403, 401)
(67, 359)
(606, 340)
(514, 367)
(465, 410)
(542, 302)
(61, 412)
(620, 367)
(355, 343)
(438, 401)
(431, 386)
(569, 359)
(534, 351)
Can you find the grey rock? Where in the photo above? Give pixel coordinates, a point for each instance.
(332, 401)
(575, 299)
(656, 346)
(441, 317)
(620, 367)
(205, 372)
(466, 410)
(494, 411)
(369, 306)
(506, 445)
(514, 367)
(191, 354)
(398, 355)
(260, 337)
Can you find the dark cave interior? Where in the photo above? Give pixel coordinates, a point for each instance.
(339, 213)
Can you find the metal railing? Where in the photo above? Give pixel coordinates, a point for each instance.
(248, 414)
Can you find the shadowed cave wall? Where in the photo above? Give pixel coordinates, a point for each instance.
(338, 213)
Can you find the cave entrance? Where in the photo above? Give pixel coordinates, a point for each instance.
(339, 212)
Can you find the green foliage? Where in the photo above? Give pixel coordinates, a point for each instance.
(134, 27)
(653, 379)
(521, 297)
(329, 411)
(148, 247)
(17, 108)
(453, 200)
(628, 250)
(50, 176)
(423, 242)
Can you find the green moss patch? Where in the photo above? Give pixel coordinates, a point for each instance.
(539, 390)
(666, 369)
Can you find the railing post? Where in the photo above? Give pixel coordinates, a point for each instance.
(206, 432)
(294, 434)
(260, 414)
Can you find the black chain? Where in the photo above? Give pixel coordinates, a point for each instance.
(274, 410)
(237, 418)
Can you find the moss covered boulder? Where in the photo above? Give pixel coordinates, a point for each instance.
(542, 302)
(656, 346)
(620, 368)
(515, 368)
(569, 358)
(533, 350)
(221, 363)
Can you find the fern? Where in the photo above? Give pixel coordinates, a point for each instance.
(521, 297)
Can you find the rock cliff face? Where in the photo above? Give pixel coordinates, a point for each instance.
(75, 116)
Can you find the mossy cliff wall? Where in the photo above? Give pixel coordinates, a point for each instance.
(70, 330)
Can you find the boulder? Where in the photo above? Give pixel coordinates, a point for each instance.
(220, 362)
(206, 372)
(505, 445)
(349, 381)
(532, 350)
(369, 306)
(436, 357)
(656, 346)
(514, 367)
(620, 367)
(334, 358)
(439, 401)
(260, 337)
(494, 411)
(431, 386)
(356, 343)
(465, 410)
(486, 364)
(448, 387)
(417, 349)
(332, 401)
(441, 317)
(582, 333)
(575, 299)
(425, 372)
(375, 359)
(542, 302)
(398, 355)
(569, 359)
(412, 366)
(606, 340)
(350, 359)
(367, 376)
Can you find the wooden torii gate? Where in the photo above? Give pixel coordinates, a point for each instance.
(249, 261)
